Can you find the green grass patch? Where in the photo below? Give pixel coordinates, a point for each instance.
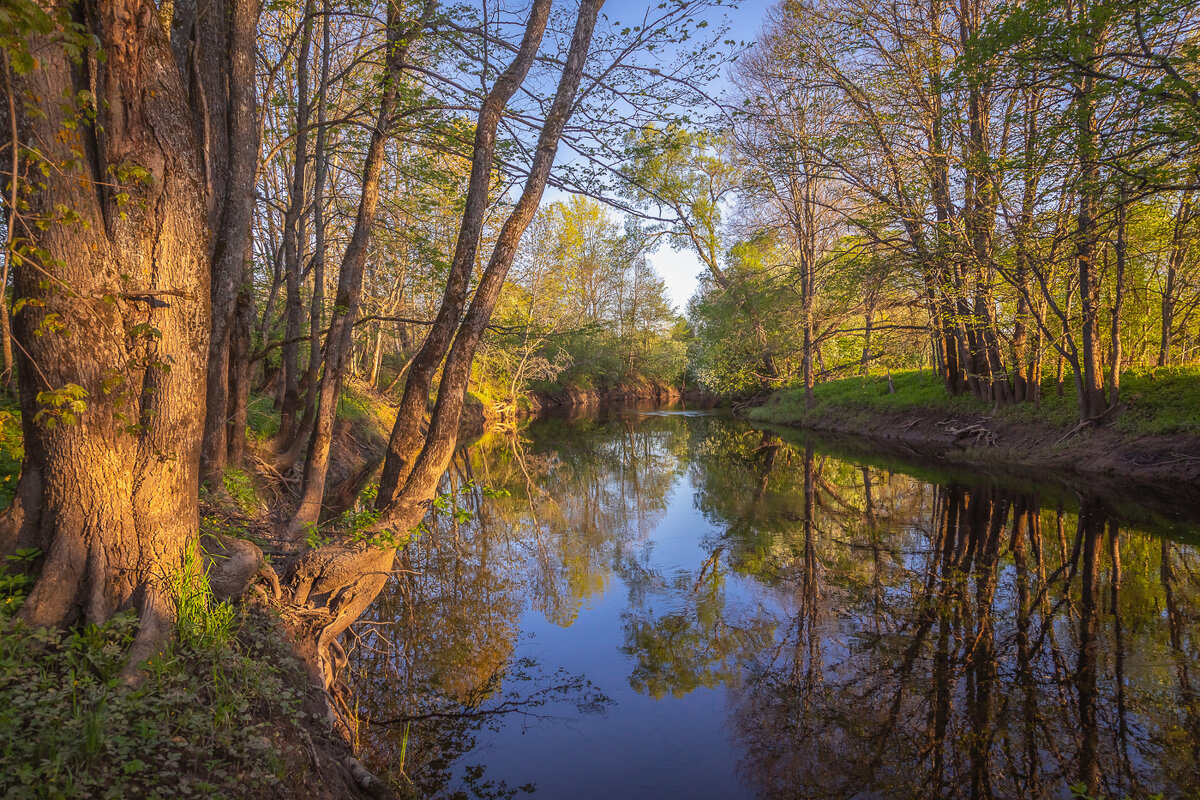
(363, 407)
(914, 391)
(241, 490)
(1158, 401)
(1164, 400)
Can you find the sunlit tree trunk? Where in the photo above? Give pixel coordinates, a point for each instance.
(338, 341)
(406, 438)
(113, 328)
(229, 109)
(294, 240)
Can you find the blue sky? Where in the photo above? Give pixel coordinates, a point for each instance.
(680, 269)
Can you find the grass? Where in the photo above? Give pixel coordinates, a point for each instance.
(362, 406)
(1158, 401)
(211, 719)
(262, 419)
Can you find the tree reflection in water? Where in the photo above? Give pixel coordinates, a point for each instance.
(875, 634)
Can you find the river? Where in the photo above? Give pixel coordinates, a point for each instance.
(655, 604)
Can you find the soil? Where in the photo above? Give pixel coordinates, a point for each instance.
(318, 761)
(1158, 470)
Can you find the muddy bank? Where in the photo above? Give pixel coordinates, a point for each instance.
(982, 440)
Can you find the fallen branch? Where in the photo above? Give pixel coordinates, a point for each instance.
(976, 433)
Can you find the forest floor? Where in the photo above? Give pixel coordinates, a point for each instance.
(226, 710)
(1154, 436)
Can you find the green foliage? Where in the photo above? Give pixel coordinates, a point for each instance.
(200, 620)
(16, 579)
(365, 409)
(201, 724)
(12, 450)
(583, 310)
(915, 390)
(240, 488)
(60, 405)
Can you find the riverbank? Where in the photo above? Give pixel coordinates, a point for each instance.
(1153, 436)
(227, 709)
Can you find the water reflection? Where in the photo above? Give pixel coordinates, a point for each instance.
(797, 624)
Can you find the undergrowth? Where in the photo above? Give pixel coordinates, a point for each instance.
(12, 449)
(205, 722)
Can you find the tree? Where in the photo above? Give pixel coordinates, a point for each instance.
(689, 176)
(111, 293)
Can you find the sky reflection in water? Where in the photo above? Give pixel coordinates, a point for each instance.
(663, 605)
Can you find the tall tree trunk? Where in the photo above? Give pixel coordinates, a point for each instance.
(1114, 374)
(321, 158)
(1024, 380)
(1180, 245)
(338, 345)
(443, 427)
(1090, 390)
(108, 487)
(10, 202)
(944, 290)
(294, 240)
(239, 369)
(979, 219)
(232, 115)
(865, 362)
(405, 440)
(346, 578)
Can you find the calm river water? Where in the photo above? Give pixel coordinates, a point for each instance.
(661, 604)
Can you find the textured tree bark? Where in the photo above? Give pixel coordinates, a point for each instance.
(119, 308)
(320, 170)
(941, 284)
(230, 115)
(405, 441)
(980, 219)
(294, 239)
(239, 369)
(1090, 392)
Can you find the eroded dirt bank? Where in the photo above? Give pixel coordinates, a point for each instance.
(982, 440)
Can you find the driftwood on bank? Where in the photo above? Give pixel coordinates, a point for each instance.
(971, 434)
